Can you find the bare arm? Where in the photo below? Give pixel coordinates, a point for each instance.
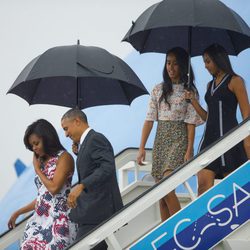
(23, 210)
(238, 87)
(201, 112)
(190, 147)
(147, 127)
(64, 166)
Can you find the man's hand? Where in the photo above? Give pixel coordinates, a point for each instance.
(74, 194)
(75, 148)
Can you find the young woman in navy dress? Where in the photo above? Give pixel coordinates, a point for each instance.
(223, 95)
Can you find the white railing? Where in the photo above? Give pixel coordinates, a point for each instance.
(125, 163)
(106, 230)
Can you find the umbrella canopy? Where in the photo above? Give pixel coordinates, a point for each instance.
(190, 24)
(78, 76)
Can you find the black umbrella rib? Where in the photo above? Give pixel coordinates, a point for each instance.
(96, 70)
(232, 41)
(35, 90)
(125, 93)
(145, 41)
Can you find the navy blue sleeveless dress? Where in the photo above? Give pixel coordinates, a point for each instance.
(222, 106)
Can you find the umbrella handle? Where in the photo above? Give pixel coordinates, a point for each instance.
(188, 89)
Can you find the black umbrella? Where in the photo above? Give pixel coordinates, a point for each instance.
(77, 76)
(190, 24)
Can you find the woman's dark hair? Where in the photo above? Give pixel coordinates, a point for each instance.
(47, 133)
(220, 57)
(182, 59)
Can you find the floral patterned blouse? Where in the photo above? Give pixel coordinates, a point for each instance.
(179, 110)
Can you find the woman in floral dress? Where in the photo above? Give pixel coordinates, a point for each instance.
(49, 227)
(176, 119)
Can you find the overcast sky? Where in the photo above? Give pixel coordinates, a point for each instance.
(29, 27)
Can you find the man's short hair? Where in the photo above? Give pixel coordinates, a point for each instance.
(75, 113)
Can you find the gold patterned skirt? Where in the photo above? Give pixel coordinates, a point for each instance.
(169, 148)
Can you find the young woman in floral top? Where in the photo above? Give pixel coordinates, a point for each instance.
(49, 227)
(176, 119)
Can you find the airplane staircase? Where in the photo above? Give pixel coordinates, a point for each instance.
(219, 219)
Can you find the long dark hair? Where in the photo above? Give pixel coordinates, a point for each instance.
(45, 130)
(220, 57)
(182, 59)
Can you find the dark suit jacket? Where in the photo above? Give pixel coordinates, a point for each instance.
(96, 170)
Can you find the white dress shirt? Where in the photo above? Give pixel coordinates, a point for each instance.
(84, 136)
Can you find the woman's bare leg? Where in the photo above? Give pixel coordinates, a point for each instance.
(172, 203)
(205, 180)
(169, 204)
(163, 210)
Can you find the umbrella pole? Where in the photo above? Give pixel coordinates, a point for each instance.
(78, 92)
(78, 86)
(189, 69)
(189, 56)
(189, 61)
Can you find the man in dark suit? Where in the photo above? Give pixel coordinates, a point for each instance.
(96, 196)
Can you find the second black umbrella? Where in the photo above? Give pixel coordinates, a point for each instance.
(190, 24)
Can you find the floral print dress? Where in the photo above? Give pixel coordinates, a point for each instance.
(171, 138)
(50, 227)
